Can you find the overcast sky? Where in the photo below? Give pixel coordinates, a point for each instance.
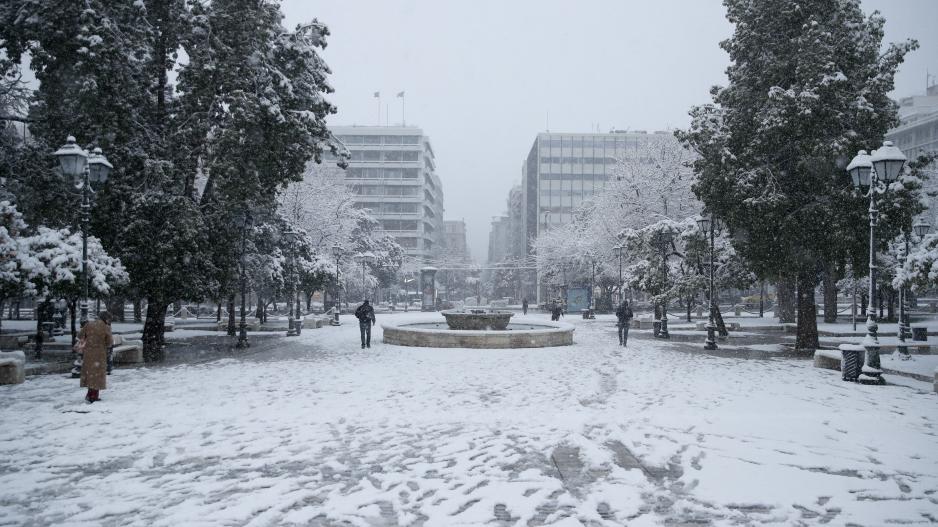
(483, 77)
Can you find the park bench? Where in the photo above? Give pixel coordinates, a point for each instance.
(12, 367)
(12, 342)
(251, 323)
(126, 351)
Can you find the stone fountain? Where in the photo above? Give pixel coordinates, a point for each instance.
(477, 319)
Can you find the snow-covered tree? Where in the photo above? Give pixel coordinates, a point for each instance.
(18, 266)
(808, 86)
(59, 251)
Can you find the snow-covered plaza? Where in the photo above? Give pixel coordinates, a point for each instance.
(315, 431)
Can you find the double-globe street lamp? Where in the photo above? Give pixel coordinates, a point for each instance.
(873, 173)
(920, 229)
(86, 171)
(709, 226)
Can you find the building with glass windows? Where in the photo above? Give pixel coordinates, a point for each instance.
(392, 173)
(562, 171)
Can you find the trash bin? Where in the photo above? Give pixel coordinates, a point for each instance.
(920, 334)
(851, 361)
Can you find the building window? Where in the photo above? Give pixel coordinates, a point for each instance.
(409, 155)
(393, 155)
(410, 139)
(372, 139)
(411, 173)
(371, 155)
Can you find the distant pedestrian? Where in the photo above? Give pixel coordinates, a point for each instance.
(366, 317)
(524, 306)
(557, 311)
(623, 320)
(95, 341)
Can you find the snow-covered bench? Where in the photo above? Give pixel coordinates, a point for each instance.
(12, 367)
(828, 359)
(13, 341)
(127, 351)
(251, 323)
(730, 326)
(315, 322)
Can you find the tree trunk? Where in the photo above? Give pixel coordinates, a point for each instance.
(785, 303)
(807, 338)
(71, 315)
(309, 302)
(3, 301)
(830, 293)
(153, 328)
(718, 320)
(116, 307)
(657, 323)
(232, 330)
(690, 302)
(891, 306)
(863, 302)
(218, 313)
(879, 300)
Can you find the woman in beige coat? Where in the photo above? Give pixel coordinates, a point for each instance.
(97, 340)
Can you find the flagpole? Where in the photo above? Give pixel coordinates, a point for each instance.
(378, 96)
(403, 115)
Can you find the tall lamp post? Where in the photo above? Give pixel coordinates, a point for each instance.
(920, 229)
(292, 238)
(618, 251)
(337, 251)
(364, 259)
(86, 171)
(708, 225)
(874, 173)
(663, 240)
(245, 219)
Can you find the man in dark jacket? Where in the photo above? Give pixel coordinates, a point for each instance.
(623, 318)
(524, 306)
(366, 317)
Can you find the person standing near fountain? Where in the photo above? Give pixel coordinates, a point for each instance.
(366, 317)
(624, 318)
(524, 306)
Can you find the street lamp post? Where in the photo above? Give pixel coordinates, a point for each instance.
(364, 259)
(617, 251)
(920, 229)
(85, 171)
(708, 226)
(245, 219)
(292, 238)
(868, 171)
(664, 241)
(337, 251)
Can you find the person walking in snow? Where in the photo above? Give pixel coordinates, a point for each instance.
(556, 311)
(97, 340)
(623, 320)
(366, 317)
(524, 306)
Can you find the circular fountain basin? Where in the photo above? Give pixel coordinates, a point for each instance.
(436, 334)
(477, 319)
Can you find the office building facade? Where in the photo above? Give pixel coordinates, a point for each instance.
(456, 248)
(917, 134)
(562, 171)
(392, 173)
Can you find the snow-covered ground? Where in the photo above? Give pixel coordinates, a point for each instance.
(320, 432)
